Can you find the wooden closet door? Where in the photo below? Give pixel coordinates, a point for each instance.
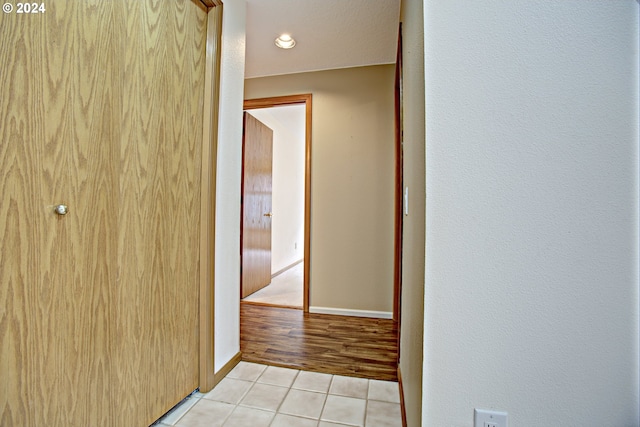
(101, 110)
(59, 144)
(155, 330)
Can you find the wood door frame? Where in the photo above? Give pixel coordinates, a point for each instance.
(208, 191)
(399, 189)
(399, 196)
(279, 101)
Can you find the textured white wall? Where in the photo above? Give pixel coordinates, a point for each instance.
(227, 240)
(287, 225)
(531, 295)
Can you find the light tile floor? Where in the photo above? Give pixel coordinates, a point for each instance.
(255, 395)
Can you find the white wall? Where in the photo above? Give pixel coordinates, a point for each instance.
(531, 296)
(227, 238)
(287, 225)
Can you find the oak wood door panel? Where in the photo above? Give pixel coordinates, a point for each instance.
(257, 152)
(56, 133)
(155, 340)
(100, 109)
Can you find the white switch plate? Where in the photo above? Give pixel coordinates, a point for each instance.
(486, 418)
(406, 201)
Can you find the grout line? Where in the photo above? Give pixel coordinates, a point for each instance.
(287, 394)
(224, 421)
(283, 399)
(198, 397)
(245, 394)
(366, 407)
(326, 397)
(366, 404)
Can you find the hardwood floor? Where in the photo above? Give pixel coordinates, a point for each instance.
(353, 346)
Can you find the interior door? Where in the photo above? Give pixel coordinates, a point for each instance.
(257, 149)
(101, 111)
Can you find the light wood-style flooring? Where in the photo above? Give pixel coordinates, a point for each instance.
(339, 345)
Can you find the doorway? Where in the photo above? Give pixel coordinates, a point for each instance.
(289, 215)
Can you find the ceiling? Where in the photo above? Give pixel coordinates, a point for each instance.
(284, 118)
(329, 34)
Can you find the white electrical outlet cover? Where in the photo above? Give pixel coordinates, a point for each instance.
(486, 418)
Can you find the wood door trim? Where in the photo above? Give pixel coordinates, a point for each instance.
(403, 410)
(397, 267)
(250, 104)
(268, 304)
(228, 367)
(207, 198)
(211, 3)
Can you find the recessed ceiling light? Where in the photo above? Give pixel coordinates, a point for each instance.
(285, 41)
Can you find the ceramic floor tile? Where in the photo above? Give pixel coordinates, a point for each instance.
(282, 420)
(274, 375)
(312, 381)
(256, 395)
(249, 417)
(346, 410)
(229, 390)
(383, 414)
(178, 412)
(247, 371)
(385, 391)
(349, 386)
(264, 396)
(206, 413)
(303, 403)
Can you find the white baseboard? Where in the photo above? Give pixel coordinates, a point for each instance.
(349, 312)
(282, 270)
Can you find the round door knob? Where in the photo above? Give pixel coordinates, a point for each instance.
(61, 209)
